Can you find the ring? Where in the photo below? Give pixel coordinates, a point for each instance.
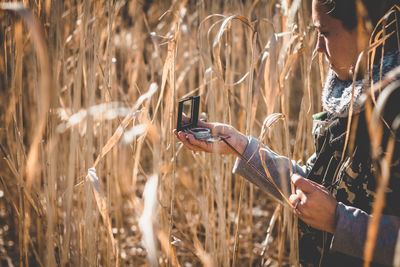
(200, 133)
(295, 205)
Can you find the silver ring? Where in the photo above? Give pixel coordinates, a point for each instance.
(200, 132)
(295, 205)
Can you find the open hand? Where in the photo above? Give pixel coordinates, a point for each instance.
(314, 204)
(233, 136)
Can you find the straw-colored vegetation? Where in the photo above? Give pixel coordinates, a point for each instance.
(95, 84)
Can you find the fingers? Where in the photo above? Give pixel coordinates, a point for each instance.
(295, 200)
(305, 185)
(298, 201)
(203, 145)
(192, 143)
(183, 138)
(313, 204)
(204, 124)
(303, 188)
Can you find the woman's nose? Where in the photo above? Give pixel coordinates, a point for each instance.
(321, 45)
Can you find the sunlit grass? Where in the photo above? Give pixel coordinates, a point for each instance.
(98, 87)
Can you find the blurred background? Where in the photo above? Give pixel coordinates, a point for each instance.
(95, 84)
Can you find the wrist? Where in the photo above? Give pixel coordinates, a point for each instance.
(242, 144)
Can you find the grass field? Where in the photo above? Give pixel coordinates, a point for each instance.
(95, 84)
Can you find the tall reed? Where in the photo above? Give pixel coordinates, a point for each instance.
(97, 89)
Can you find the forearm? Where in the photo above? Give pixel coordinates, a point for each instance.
(351, 231)
(277, 166)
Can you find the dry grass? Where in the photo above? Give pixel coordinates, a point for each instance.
(98, 88)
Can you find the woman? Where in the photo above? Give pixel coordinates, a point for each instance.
(333, 194)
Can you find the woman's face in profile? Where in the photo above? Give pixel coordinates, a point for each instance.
(337, 43)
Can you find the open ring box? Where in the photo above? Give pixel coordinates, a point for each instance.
(192, 103)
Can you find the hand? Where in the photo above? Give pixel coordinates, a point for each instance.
(233, 136)
(316, 206)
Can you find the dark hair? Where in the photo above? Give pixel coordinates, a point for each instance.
(346, 11)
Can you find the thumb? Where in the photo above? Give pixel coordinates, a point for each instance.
(303, 184)
(204, 124)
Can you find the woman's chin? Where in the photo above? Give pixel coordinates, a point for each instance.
(341, 75)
